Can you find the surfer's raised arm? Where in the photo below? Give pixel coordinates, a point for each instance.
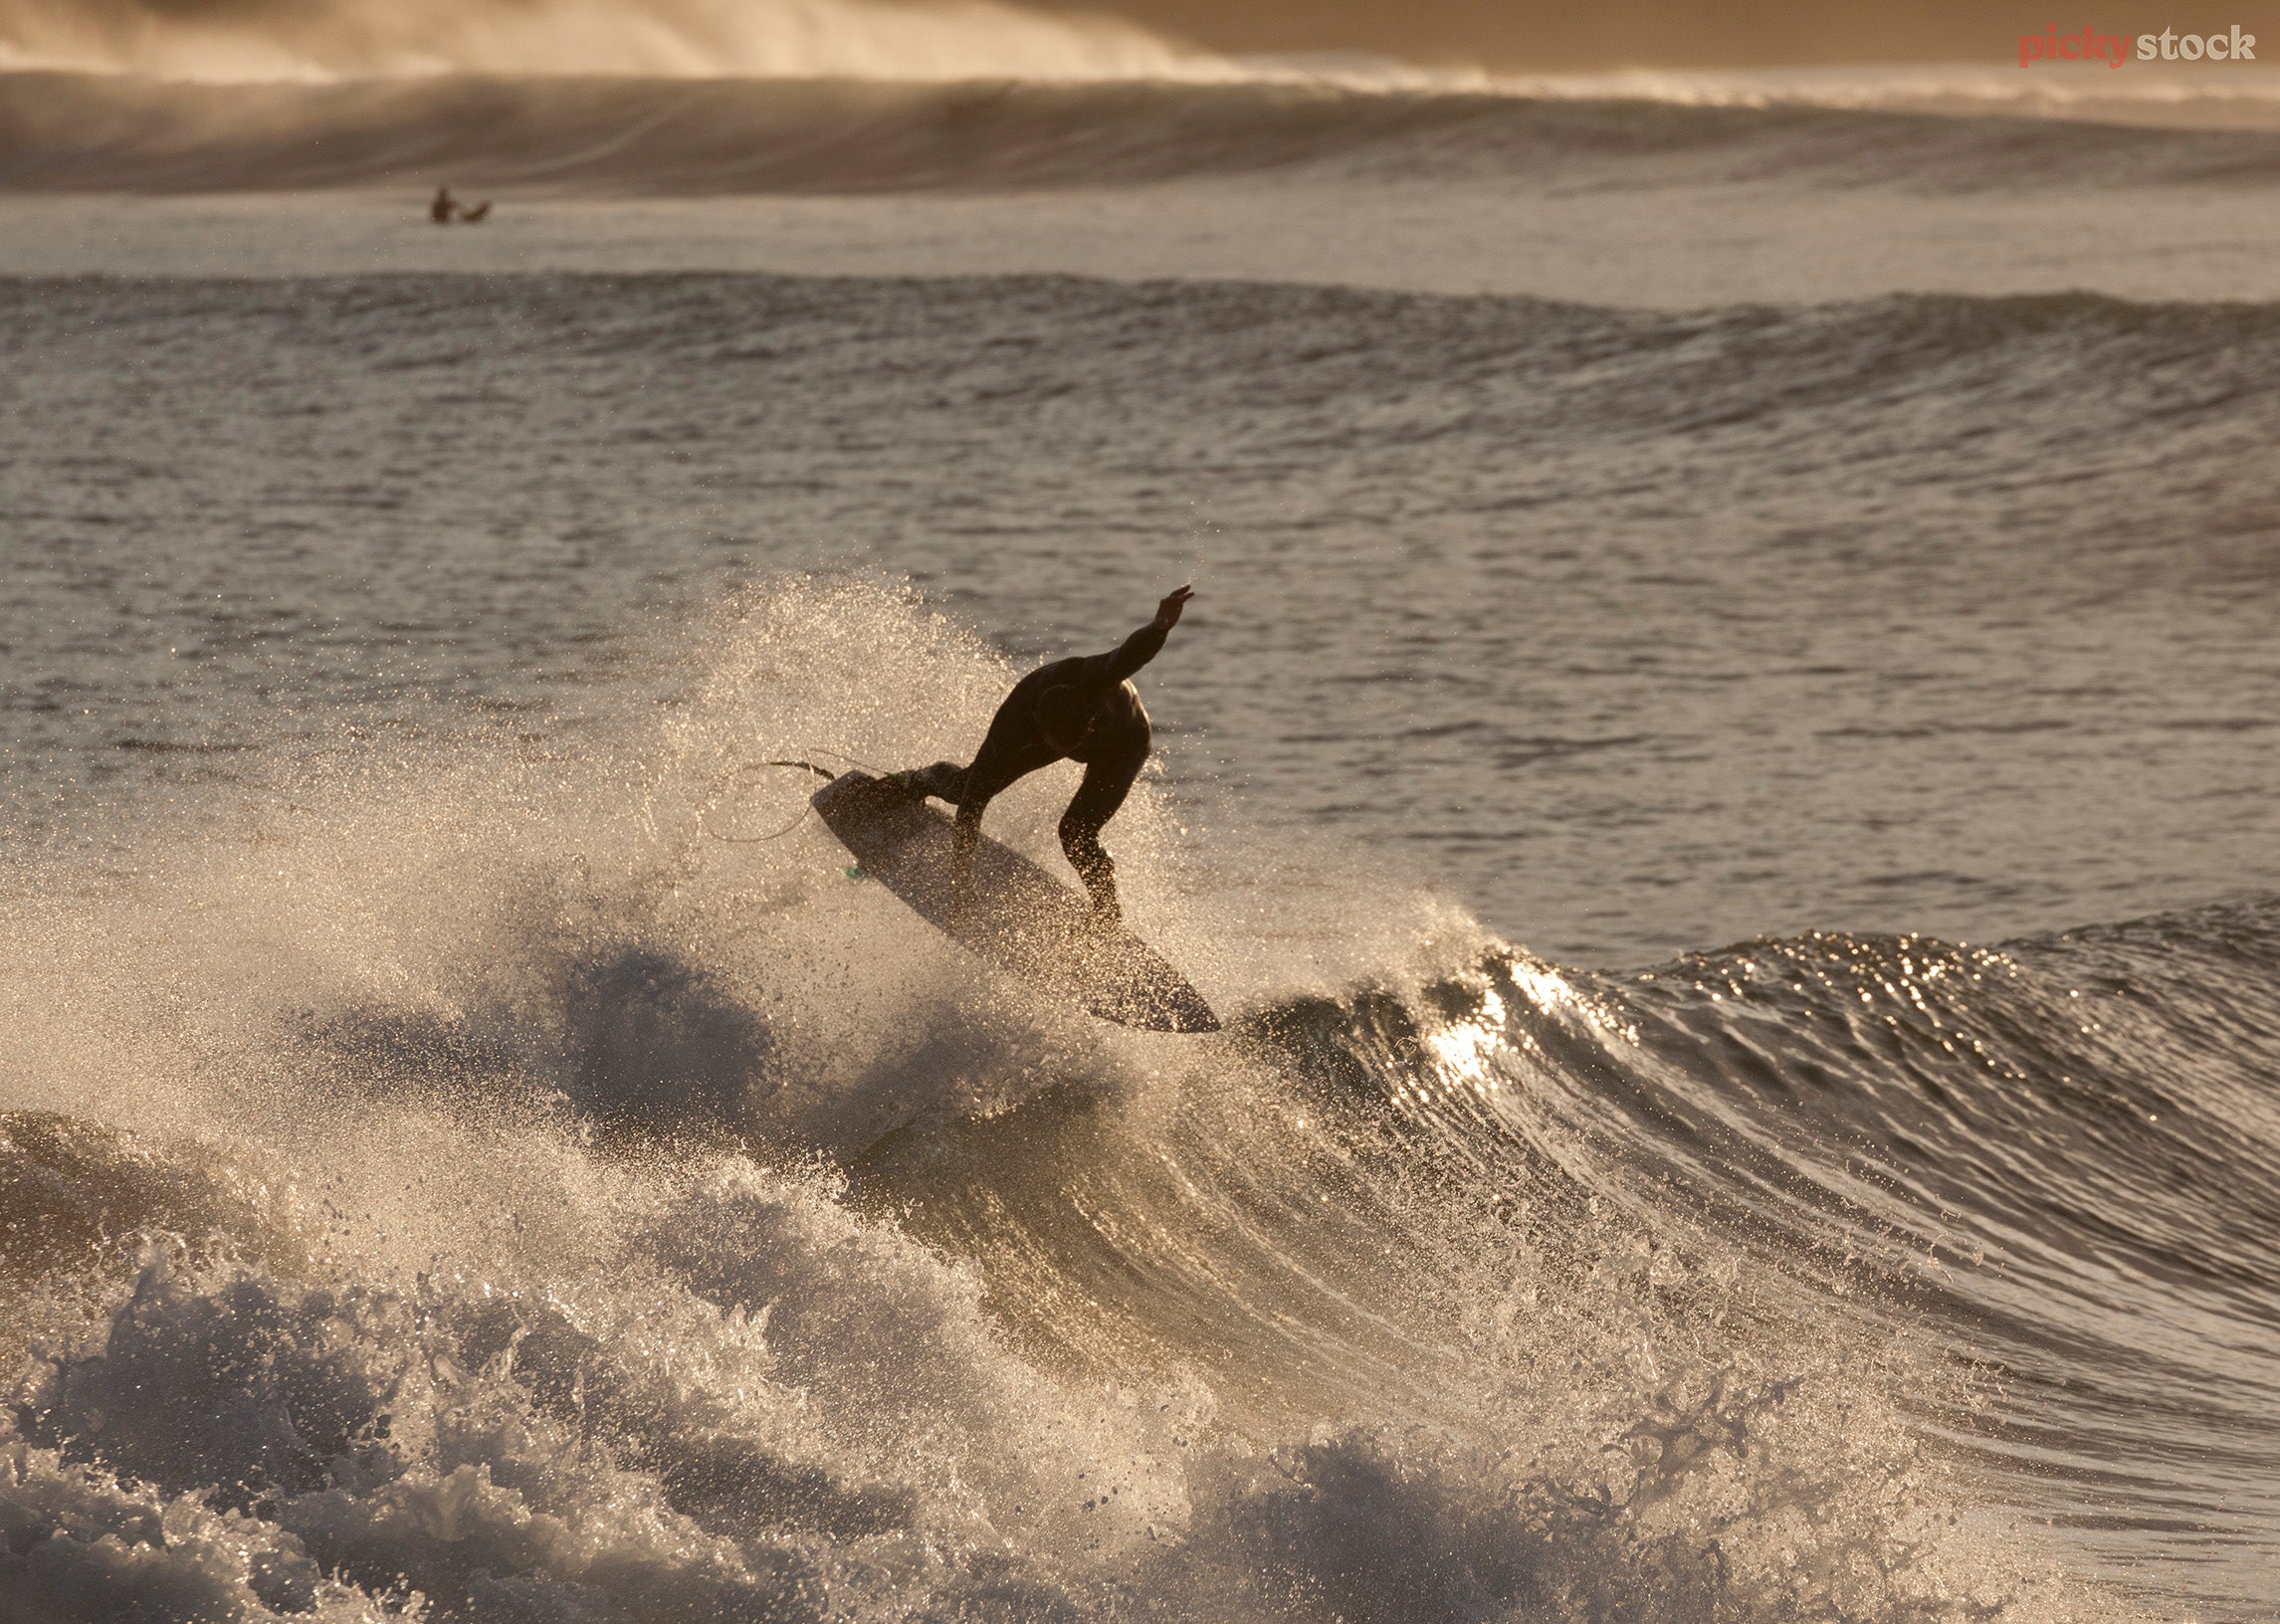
(1138, 650)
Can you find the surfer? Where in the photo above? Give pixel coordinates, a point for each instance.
(1081, 709)
(446, 209)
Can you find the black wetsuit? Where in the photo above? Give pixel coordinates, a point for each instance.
(1113, 748)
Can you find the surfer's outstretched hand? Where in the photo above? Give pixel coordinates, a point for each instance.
(1167, 612)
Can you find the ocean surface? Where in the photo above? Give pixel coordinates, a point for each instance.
(1720, 774)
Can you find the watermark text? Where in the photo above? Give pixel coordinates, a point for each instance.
(2088, 45)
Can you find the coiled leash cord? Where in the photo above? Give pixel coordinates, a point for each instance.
(704, 817)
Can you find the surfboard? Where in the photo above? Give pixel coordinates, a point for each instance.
(1023, 920)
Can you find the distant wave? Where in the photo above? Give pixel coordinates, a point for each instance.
(935, 41)
(676, 136)
(256, 40)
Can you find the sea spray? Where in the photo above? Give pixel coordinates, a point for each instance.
(662, 1256)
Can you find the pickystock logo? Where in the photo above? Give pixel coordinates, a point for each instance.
(2088, 45)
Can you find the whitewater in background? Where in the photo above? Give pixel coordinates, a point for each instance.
(1719, 775)
(245, 42)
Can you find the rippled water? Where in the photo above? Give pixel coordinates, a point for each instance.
(436, 1164)
(1634, 632)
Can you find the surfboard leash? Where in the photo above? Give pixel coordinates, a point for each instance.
(703, 818)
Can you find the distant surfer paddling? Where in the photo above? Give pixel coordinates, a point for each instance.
(445, 209)
(1082, 709)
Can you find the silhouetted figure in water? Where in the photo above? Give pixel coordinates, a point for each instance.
(1081, 709)
(445, 209)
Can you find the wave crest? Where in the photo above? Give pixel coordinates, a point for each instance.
(241, 39)
(838, 128)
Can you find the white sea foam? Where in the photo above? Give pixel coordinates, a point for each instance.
(684, 1232)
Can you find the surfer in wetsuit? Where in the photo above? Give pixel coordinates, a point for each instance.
(1082, 709)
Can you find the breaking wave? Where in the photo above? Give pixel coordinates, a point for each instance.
(499, 1199)
(674, 136)
(249, 40)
